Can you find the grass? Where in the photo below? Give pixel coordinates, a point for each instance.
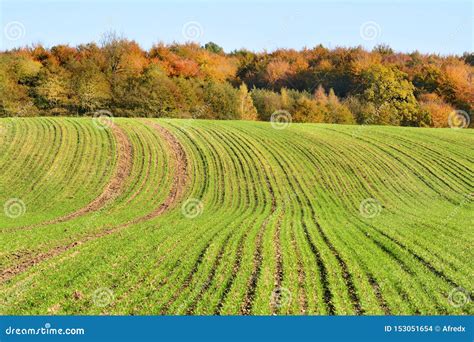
(311, 219)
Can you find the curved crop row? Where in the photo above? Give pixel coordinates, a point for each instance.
(204, 217)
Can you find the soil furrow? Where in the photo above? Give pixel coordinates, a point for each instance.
(247, 305)
(302, 298)
(235, 270)
(112, 190)
(176, 191)
(278, 261)
(378, 294)
(192, 307)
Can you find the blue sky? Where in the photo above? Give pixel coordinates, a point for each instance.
(437, 26)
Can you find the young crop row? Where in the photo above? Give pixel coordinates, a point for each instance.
(205, 217)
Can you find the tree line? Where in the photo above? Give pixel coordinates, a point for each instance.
(340, 85)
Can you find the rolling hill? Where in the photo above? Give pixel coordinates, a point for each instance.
(148, 216)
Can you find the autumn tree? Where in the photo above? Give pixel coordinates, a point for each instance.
(222, 100)
(13, 96)
(337, 85)
(54, 92)
(266, 102)
(336, 112)
(438, 109)
(306, 110)
(247, 110)
(213, 47)
(123, 59)
(390, 96)
(92, 89)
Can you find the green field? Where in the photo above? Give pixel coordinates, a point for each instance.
(232, 217)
